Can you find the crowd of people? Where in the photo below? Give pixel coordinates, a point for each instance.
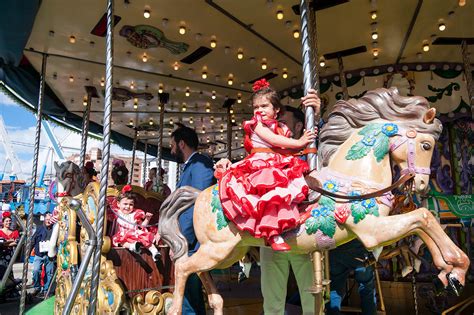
(260, 194)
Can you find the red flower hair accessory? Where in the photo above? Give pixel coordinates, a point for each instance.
(260, 84)
(6, 214)
(126, 188)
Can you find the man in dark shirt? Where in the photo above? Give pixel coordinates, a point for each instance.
(41, 245)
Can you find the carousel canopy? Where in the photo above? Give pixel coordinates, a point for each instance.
(206, 54)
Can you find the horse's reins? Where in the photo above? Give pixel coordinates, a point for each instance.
(316, 186)
(407, 174)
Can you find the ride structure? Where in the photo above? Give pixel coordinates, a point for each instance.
(201, 64)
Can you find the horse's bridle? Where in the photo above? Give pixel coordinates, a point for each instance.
(407, 174)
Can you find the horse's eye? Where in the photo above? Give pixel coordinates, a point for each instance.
(426, 146)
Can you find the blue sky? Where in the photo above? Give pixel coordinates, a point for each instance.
(20, 124)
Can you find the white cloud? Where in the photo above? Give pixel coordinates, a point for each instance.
(7, 100)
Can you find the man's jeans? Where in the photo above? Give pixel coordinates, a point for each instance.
(341, 264)
(49, 271)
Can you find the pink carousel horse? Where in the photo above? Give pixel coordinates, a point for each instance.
(357, 146)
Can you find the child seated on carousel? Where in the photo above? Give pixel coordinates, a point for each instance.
(261, 193)
(133, 232)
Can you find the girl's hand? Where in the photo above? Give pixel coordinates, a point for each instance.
(157, 238)
(307, 138)
(148, 215)
(223, 165)
(311, 99)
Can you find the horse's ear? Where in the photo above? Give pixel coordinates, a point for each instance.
(56, 166)
(429, 116)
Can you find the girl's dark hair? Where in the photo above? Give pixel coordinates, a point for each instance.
(120, 175)
(127, 195)
(272, 96)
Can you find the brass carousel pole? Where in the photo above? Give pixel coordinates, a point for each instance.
(468, 74)
(311, 80)
(229, 133)
(134, 152)
(342, 77)
(29, 221)
(104, 172)
(144, 164)
(164, 98)
(85, 125)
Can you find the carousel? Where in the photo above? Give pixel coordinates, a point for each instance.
(395, 80)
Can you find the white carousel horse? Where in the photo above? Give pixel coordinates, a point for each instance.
(357, 145)
(70, 182)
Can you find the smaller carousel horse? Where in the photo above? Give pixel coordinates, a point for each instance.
(70, 182)
(357, 145)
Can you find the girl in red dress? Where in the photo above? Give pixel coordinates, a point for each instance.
(261, 193)
(131, 224)
(8, 241)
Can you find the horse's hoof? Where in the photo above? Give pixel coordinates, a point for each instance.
(439, 287)
(454, 286)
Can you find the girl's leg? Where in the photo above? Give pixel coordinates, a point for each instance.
(154, 252)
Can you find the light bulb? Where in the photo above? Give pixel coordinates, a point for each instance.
(146, 14)
(213, 95)
(183, 108)
(284, 75)
(176, 66)
(84, 102)
(240, 55)
(264, 65)
(426, 47)
(375, 52)
(230, 81)
(296, 34)
(102, 82)
(160, 89)
(171, 121)
(144, 58)
(373, 15)
(375, 35)
(151, 122)
(322, 62)
(182, 29)
(213, 43)
(279, 15)
(442, 27)
(204, 75)
(71, 79)
(191, 121)
(72, 39)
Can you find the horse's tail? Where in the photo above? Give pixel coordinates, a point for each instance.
(168, 226)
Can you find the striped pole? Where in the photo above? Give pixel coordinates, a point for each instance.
(104, 172)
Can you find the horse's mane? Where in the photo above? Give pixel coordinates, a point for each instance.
(377, 105)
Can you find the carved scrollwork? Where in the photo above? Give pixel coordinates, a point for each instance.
(151, 303)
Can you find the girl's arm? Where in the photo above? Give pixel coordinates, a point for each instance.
(148, 216)
(281, 141)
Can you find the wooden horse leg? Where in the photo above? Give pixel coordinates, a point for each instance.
(215, 299)
(208, 256)
(376, 231)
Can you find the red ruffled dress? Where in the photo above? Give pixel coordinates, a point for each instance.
(130, 233)
(261, 193)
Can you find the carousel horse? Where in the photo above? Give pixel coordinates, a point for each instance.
(70, 182)
(357, 145)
